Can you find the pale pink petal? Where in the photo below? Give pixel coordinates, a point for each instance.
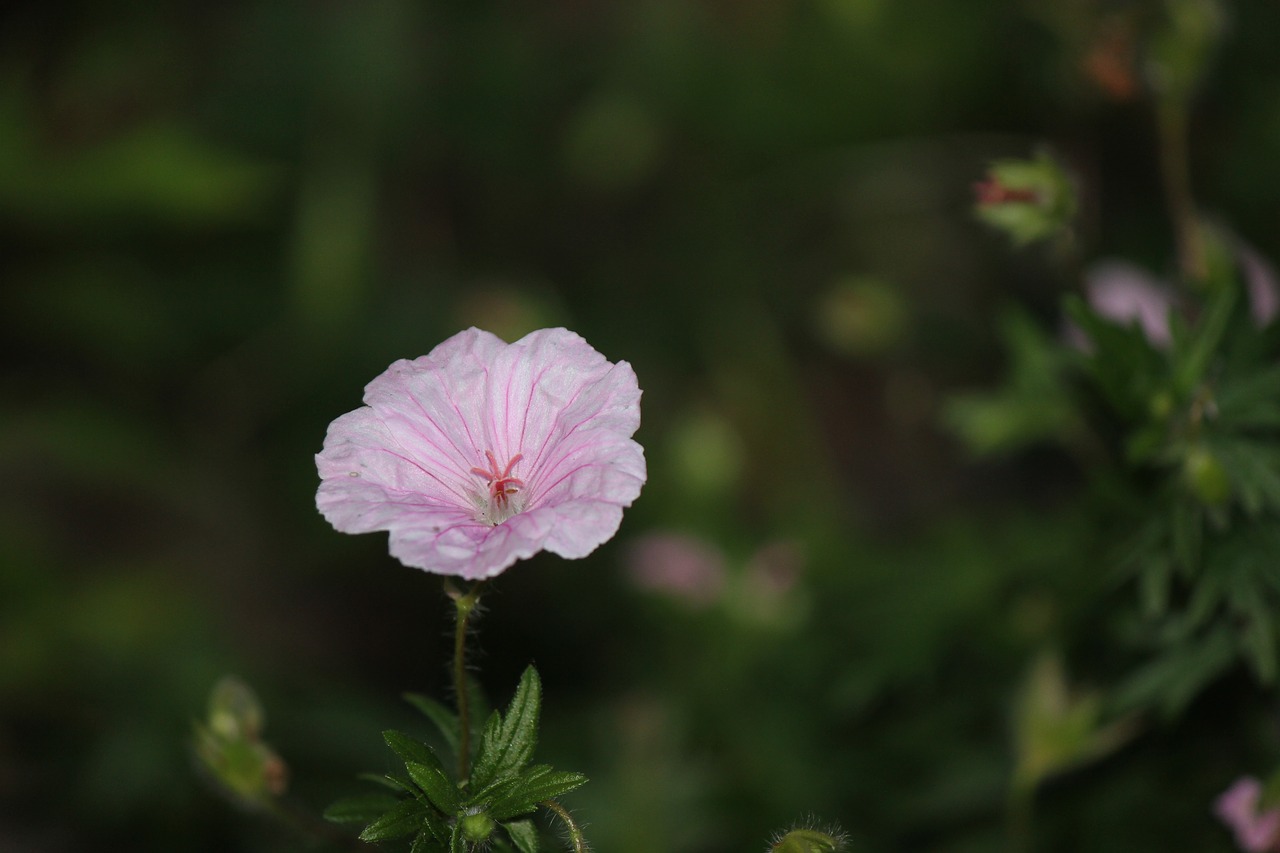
(1237, 807)
(483, 453)
(1125, 294)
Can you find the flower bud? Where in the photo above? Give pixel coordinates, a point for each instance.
(1206, 477)
(229, 746)
(807, 841)
(477, 827)
(234, 710)
(1027, 199)
(1179, 52)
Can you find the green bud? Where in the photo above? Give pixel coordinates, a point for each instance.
(1058, 727)
(1179, 52)
(807, 841)
(1161, 406)
(861, 316)
(229, 745)
(248, 769)
(1206, 477)
(477, 827)
(234, 709)
(1029, 200)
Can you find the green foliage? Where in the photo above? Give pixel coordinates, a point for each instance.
(448, 816)
(1185, 437)
(508, 741)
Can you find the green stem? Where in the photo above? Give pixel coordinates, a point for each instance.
(1020, 808)
(465, 604)
(1175, 171)
(575, 833)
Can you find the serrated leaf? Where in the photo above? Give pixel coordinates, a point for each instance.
(1258, 634)
(518, 795)
(523, 834)
(1173, 680)
(404, 819)
(362, 809)
(409, 749)
(1154, 581)
(509, 740)
(1193, 360)
(439, 789)
(444, 719)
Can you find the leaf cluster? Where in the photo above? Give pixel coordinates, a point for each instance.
(1183, 437)
(443, 814)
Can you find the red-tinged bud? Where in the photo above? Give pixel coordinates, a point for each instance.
(1027, 199)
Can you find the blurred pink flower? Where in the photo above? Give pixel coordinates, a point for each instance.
(1260, 282)
(1124, 294)
(683, 566)
(1256, 831)
(775, 569)
(483, 453)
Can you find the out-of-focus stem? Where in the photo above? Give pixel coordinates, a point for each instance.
(575, 833)
(1175, 170)
(1019, 815)
(307, 825)
(465, 604)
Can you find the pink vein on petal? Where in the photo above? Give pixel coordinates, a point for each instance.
(444, 454)
(447, 487)
(462, 470)
(552, 431)
(528, 404)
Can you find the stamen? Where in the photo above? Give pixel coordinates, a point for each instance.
(501, 484)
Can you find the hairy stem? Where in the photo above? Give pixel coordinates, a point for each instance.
(576, 837)
(465, 604)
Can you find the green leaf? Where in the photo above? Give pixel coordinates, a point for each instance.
(1249, 403)
(393, 782)
(407, 817)
(524, 835)
(444, 719)
(508, 741)
(411, 750)
(513, 796)
(1194, 361)
(1173, 680)
(362, 809)
(1153, 587)
(431, 778)
(425, 842)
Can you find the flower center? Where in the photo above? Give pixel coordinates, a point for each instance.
(501, 487)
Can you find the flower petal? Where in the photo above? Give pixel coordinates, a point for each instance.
(413, 461)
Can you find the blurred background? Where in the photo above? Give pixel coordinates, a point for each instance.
(219, 221)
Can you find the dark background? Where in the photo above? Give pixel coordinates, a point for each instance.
(219, 220)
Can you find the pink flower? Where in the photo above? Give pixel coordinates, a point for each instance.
(483, 453)
(1256, 831)
(1124, 294)
(684, 566)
